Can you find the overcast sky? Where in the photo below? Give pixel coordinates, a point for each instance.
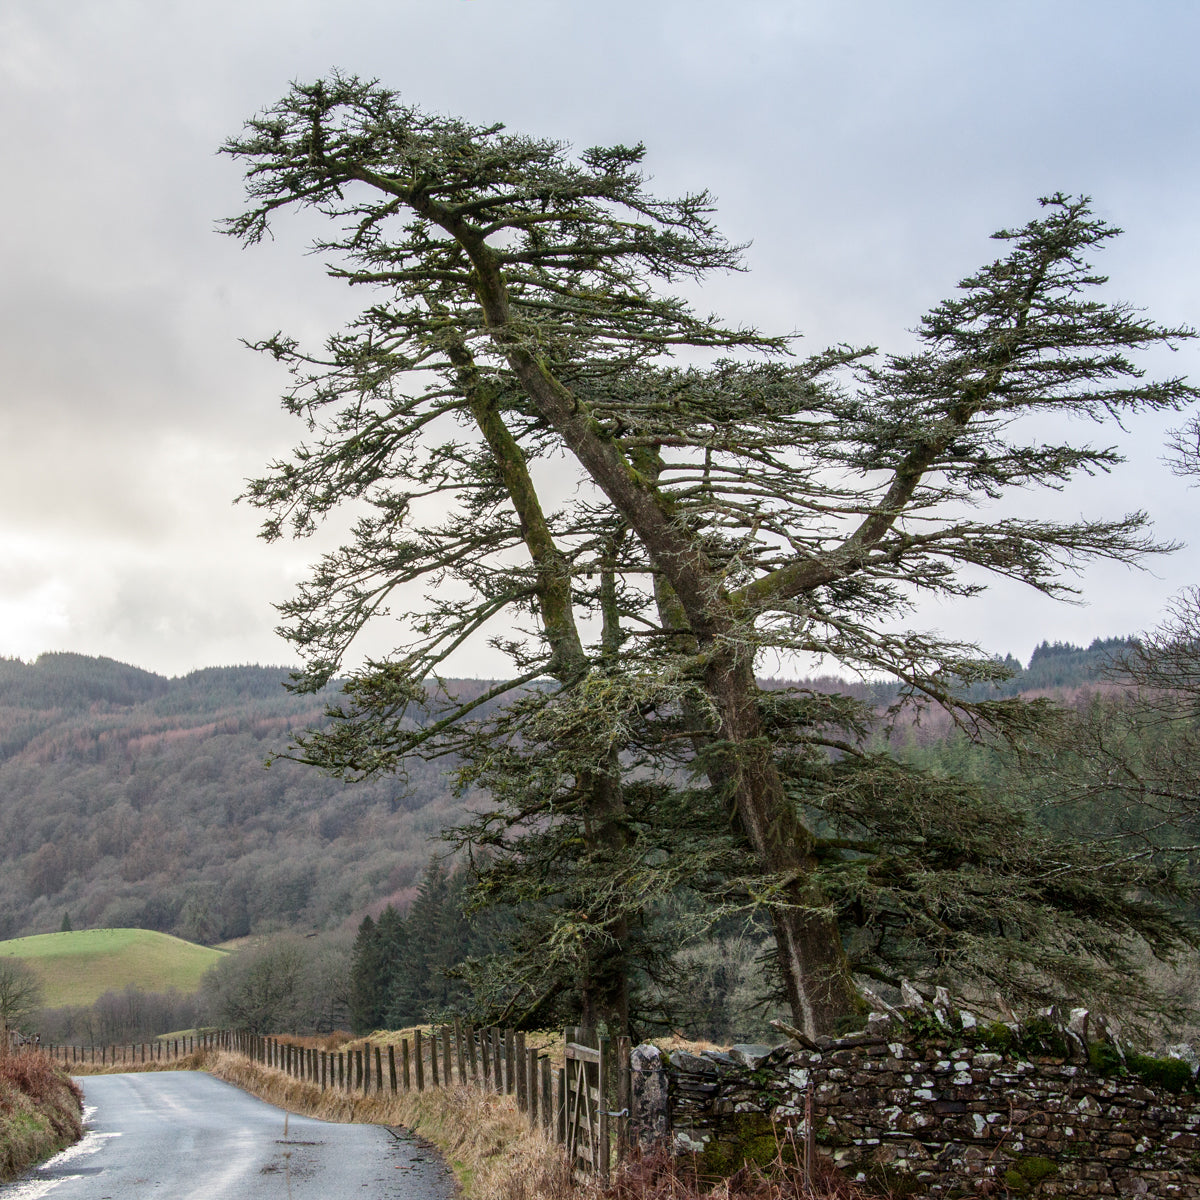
(868, 149)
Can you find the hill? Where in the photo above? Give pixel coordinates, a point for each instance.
(79, 967)
(131, 800)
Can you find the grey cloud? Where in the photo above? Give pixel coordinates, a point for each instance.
(867, 149)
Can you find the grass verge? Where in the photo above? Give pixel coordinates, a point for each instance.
(41, 1111)
(488, 1144)
(198, 1061)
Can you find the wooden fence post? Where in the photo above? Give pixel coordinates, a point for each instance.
(497, 1059)
(624, 1097)
(603, 1089)
(392, 1066)
(433, 1056)
(521, 1072)
(379, 1069)
(447, 1056)
(486, 1058)
(531, 1087)
(563, 1100)
(472, 1062)
(404, 1064)
(419, 1058)
(358, 1070)
(547, 1096)
(510, 1059)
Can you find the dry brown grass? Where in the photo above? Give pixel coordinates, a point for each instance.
(40, 1111)
(196, 1061)
(663, 1177)
(489, 1145)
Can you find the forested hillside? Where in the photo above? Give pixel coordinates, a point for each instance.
(132, 800)
(128, 799)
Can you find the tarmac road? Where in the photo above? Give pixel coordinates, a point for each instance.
(183, 1135)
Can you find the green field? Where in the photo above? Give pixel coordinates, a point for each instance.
(79, 967)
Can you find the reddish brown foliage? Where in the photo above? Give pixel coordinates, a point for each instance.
(36, 1075)
(661, 1176)
(33, 1072)
(326, 1041)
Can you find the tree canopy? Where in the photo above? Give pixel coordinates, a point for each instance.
(521, 309)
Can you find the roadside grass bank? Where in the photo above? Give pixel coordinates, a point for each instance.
(197, 1061)
(41, 1111)
(486, 1141)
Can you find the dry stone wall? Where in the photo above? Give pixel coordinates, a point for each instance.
(931, 1109)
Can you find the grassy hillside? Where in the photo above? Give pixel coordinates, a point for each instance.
(79, 967)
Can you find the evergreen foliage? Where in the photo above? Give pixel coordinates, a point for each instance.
(410, 969)
(731, 510)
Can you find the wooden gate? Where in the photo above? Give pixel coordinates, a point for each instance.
(585, 1104)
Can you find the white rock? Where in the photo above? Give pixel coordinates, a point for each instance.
(1185, 1052)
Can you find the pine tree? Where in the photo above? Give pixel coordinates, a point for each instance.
(767, 507)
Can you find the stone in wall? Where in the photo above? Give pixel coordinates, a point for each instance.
(950, 1106)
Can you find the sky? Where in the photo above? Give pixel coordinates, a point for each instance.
(866, 149)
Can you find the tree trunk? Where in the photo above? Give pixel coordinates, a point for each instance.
(812, 962)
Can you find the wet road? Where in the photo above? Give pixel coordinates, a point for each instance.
(183, 1135)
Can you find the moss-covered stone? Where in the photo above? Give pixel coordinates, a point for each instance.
(1042, 1034)
(1026, 1173)
(1103, 1058)
(745, 1138)
(1170, 1073)
(995, 1035)
(895, 1184)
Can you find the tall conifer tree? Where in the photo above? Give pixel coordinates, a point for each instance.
(786, 507)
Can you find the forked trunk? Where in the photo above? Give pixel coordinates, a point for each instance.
(812, 962)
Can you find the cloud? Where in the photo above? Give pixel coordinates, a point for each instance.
(866, 148)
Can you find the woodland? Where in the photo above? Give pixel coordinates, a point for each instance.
(131, 800)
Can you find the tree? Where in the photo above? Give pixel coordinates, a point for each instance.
(284, 984)
(795, 507)
(20, 995)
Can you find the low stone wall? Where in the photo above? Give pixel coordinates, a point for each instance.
(938, 1112)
